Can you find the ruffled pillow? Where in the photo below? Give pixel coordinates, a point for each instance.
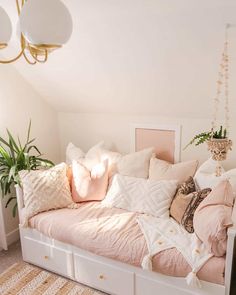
(89, 185)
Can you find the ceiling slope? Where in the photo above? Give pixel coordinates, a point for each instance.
(136, 57)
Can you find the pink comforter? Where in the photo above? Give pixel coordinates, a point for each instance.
(114, 233)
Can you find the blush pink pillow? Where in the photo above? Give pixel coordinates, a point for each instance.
(89, 185)
(213, 217)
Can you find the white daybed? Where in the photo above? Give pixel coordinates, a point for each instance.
(109, 275)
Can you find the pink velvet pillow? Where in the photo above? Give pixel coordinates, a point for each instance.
(213, 217)
(89, 185)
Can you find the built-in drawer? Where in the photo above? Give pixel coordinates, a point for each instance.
(49, 257)
(103, 277)
(145, 286)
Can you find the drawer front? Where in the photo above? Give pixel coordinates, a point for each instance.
(49, 257)
(146, 286)
(103, 276)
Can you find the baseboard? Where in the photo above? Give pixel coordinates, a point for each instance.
(13, 236)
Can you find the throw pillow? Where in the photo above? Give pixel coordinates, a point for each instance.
(45, 190)
(206, 176)
(94, 156)
(213, 217)
(162, 170)
(141, 195)
(73, 153)
(186, 202)
(89, 185)
(135, 164)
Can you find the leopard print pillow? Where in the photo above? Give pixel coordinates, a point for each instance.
(186, 202)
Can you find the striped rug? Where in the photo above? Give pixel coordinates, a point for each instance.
(25, 279)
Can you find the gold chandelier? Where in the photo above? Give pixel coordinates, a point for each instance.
(43, 25)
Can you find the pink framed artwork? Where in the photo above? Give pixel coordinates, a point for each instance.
(164, 138)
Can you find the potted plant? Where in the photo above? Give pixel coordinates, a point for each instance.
(217, 141)
(15, 157)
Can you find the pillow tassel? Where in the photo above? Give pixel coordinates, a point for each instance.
(147, 262)
(192, 280)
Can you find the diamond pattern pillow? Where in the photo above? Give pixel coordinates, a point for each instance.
(141, 195)
(45, 190)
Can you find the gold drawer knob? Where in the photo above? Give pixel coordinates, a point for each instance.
(46, 257)
(102, 277)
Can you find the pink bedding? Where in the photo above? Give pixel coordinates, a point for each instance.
(114, 233)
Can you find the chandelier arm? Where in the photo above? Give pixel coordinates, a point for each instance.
(28, 60)
(18, 7)
(13, 59)
(35, 56)
(23, 45)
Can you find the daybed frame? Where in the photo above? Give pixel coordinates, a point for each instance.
(112, 276)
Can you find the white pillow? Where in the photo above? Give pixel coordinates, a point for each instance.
(141, 195)
(45, 190)
(73, 153)
(94, 155)
(206, 175)
(135, 164)
(99, 153)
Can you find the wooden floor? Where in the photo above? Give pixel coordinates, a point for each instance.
(11, 256)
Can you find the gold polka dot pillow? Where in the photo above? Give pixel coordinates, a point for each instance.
(45, 190)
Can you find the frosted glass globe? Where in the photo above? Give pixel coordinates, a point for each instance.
(45, 22)
(5, 28)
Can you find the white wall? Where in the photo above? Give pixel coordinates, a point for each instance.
(158, 57)
(140, 61)
(85, 130)
(19, 103)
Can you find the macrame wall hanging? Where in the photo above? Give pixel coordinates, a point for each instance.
(217, 138)
(219, 143)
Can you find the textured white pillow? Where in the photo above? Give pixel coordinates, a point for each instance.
(135, 164)
(45, 190)
(206, 176)
(141, 195)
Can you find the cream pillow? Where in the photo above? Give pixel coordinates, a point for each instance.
(73, 153)
(135, 164)
(162, 170)
(45, 190)
(141, 195)
(206, 176)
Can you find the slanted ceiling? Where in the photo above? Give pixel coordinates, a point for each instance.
(137, 57)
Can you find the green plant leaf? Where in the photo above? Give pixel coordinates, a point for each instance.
(12, 141)
(9, 201)
(14, 157)
(28, 133)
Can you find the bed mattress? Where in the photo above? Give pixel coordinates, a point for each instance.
(115, 234)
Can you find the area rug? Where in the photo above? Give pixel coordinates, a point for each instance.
(25, 279)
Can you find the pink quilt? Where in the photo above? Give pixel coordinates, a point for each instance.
(114, 233)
